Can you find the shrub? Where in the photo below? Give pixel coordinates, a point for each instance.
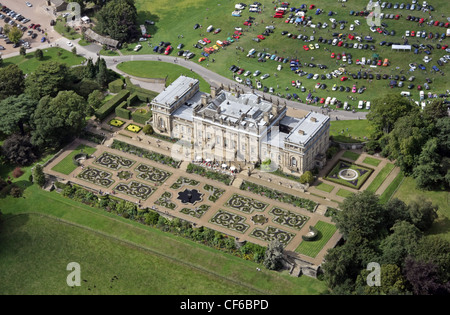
(16, 192)
(307, 177)
(141, 118)
(17, 172)
(148, 130)
(115, 86)
(38, 175)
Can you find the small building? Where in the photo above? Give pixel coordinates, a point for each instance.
(111, 43)
(57, 5)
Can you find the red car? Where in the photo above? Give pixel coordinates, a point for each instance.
(444, 47)
(241, 71)
(333, 55)
(379, 63)
(293, 83)
(343, 79)
(206, 40)
(322, 100)
(305, 47)
(421, 20)
(238, 33)
(436, 23)
(350, 36)
(340, 43)
(312, 6)
(413, 33)
(168, 50)
(261, 37)
(338, 57)
(247, 23)
(397, 17)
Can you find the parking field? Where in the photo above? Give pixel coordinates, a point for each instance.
(38, 14)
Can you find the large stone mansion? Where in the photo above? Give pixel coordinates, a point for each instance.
(230, 127)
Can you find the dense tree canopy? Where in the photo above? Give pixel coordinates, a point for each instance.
(11, 81)
(59, 119)
(118, 19)
(15, 112)
(48, 79)
(18, 150)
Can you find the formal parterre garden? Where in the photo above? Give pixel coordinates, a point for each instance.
(349, 174)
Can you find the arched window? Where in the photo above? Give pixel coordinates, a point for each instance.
(293, 161)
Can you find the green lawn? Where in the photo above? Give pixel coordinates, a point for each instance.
(390, 190)
(66, 166)
(108, 52)
(155, 69)
(372, 161)
(61, 29)
(325, 187)
(346, 130)
(28, 239)
(351, 155)
(380, 178)
(311, 249)
(146, 260)
(407, 191)
(344, 193)
(28, 63)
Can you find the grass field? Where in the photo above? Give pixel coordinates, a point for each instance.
(325, 187)
(203, 12)
(311, 249)
(344, 193)
(372, 161)
(350, 131)
(29, 63)
(193, 266)
(390, 190)
(351, 155)
(407, 191)
(61, 29)
(66, 166)
(380, 178)
(155, 69)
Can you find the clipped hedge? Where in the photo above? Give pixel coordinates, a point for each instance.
(115, 86)
(111, 105)
(122, 112)
(133, 98)
(141, 118)
(143, 94)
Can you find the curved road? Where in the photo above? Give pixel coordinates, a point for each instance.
(211, 77)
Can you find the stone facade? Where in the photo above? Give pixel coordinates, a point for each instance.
(230, 127)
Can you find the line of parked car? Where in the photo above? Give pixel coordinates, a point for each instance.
(13, 18)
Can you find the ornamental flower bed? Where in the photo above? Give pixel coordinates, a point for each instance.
(157, 157)
(134, 128)
(280, 196)
(359, 174)
(116, 122)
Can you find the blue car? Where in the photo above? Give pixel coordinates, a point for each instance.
(155, 49)
(43, 39)
(436, 69)
(422, 67)
(309, 76)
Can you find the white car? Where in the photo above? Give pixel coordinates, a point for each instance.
(407, 33)
(69, 44)
(258, 85)
(361, 104)
(238, 79)
(427, 59)
(368, 105)
(279, 67)
(247, 73)
(316, 45)
(357, 22)
(265, 76)
(28, 4)
(256, 73)
(352, 27)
